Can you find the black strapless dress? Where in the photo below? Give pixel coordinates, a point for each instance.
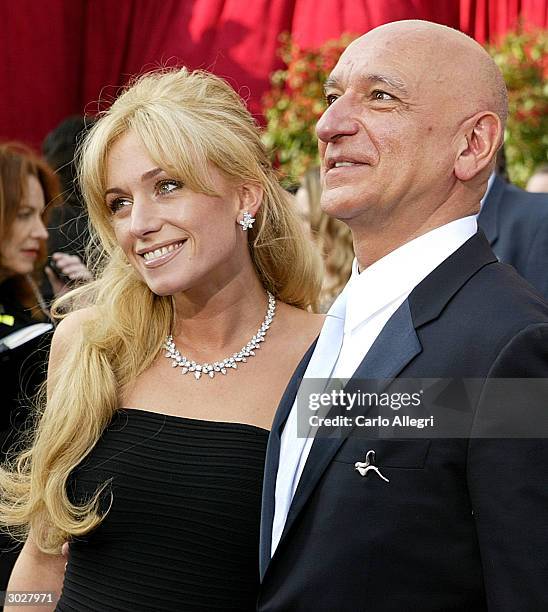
(182, 532)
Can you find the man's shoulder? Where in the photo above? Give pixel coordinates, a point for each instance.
(472, 284)
(524, 206)
(504, 297)
(487, 313)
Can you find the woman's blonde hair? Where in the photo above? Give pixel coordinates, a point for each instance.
(187, 121)
(333, 239)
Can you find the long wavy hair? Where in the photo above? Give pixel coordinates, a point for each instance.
(333, 239)
(186, 120)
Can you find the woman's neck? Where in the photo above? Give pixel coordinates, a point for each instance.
(208, 325)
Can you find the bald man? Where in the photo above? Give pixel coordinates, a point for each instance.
(377, 517)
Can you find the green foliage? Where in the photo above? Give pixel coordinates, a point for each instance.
(522, 57)
(295, 102)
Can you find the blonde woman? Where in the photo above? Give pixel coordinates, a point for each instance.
(149, 460)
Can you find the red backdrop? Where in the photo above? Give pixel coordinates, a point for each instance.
(61, 56)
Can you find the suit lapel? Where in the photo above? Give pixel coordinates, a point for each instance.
(488, 218)
(431, 296)
(397, 340)
(272, 458)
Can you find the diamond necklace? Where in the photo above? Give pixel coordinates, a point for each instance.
(210, 369)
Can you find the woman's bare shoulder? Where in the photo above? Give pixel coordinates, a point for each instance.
(69, 327)
(71, 323)
(301, 321)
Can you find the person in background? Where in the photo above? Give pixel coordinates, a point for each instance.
(516, 225)
(331, 236)
(27, 186)
(538, 182)
(68, 221)
(149, 453)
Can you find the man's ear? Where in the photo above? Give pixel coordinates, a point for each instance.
(250, 196)
(479, 142)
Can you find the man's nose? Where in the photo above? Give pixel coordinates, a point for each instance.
(144, 217)
(338, 120)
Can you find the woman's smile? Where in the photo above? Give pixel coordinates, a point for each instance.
(160, 255)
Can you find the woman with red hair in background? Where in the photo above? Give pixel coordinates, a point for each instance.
(27, 186)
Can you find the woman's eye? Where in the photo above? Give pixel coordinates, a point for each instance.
(166, 186)
(25, 212)
(118, 203)
(330, 98)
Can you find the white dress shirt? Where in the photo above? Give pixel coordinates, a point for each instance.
(352, 325)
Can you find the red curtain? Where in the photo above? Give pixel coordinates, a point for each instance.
(235, 39)
(488, 19)
(41, 69)
(61, 57)
(316, 21)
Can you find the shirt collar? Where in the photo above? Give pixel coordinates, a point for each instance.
(490, 182)
(398, 273)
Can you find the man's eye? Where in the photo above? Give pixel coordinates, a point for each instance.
(117, 204)
(382, 95)
(166, 186)
(330, 98)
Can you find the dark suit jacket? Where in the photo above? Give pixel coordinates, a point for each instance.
(463, 523)
(516, 225)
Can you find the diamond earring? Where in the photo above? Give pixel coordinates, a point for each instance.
(247, 221)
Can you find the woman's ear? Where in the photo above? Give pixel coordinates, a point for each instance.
(250, 196)
(479, 143)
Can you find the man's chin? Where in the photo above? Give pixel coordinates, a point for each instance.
(340, 205)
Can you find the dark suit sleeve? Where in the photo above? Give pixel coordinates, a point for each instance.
(536, 265)
(508, 483)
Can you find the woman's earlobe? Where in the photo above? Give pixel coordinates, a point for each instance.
(250, 196)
